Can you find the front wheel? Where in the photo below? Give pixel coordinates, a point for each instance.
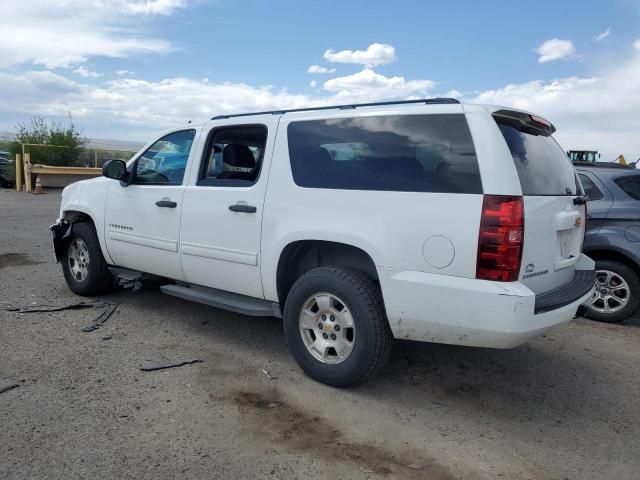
(83, 265)
(336, 327)
(617, 293)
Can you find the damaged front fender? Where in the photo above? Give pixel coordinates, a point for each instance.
(59, 232)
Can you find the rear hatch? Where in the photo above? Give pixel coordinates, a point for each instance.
(554, 210)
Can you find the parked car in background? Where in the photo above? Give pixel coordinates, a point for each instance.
(6, 177)
(613, 238)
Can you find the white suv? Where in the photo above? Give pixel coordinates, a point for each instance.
(425, 220)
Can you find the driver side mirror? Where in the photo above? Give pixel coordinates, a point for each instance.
(115, 169)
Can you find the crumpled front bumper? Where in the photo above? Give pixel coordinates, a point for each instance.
(59, 232)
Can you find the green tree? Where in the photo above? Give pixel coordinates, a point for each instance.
(57, 143)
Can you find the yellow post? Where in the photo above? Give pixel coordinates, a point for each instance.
(18, 172)
(27, 172)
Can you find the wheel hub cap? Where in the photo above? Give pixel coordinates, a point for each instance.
(327, 328)
(79, 260)
(611, 294)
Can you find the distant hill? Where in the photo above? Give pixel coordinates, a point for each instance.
(107, 144)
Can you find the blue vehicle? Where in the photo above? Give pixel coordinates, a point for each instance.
(612, 238)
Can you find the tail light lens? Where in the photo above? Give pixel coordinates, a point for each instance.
(500, 239)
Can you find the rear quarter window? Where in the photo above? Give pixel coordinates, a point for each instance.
(630, 185)
(542, 165)
(413, 153)
(590, 189)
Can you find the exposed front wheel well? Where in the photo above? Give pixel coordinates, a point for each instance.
(73, 216)
(62, 230)
(302, 256)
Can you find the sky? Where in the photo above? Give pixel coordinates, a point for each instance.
(128, 69)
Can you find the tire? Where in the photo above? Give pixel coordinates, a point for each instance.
(344, 296)
(94, 278)
(619, 309)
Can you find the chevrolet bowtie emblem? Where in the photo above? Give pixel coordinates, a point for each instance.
(578, 221)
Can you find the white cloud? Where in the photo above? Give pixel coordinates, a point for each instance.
(369, 85)
(376, 54)
(313, 84)
(320, 69)
(86, 73)
(602, 36)
(141, 105)
(555, 49)
(453, 94)
(63, 34)
(151, 7)
(123, 72)
(636, 44)
(602, 110)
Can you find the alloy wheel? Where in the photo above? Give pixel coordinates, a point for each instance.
(327, 328)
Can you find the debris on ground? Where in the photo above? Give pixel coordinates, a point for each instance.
(268, 375)
(151, 368)
(9, 387)
(36, 308)
(108, 309)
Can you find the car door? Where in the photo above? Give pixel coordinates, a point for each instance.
(222, 207)
(599, 201)
(142, 226)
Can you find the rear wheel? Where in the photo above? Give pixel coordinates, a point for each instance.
(336, 327)
(83, 265)
(617, 293)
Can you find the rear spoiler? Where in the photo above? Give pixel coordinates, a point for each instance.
(525, 122)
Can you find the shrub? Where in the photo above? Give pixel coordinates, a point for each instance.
(57, 143)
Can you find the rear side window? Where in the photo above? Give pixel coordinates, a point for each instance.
(630, 185)
(410, 153)
(542, 165)
(590, 189)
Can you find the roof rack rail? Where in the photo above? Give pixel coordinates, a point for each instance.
(427, 101)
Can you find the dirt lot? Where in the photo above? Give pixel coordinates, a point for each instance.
(563, 406)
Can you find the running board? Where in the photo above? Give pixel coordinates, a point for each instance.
(224, 300)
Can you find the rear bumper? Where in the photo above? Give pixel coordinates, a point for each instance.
(462, 311)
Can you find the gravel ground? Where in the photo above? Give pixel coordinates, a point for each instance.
(564, 406)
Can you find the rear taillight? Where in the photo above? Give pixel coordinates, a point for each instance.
(500, 239)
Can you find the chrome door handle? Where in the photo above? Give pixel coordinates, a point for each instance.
(242, 207)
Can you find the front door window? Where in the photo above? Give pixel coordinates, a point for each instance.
(165, 161)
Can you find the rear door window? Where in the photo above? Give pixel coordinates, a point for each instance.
(412, 153)
(590, 189)
(542, 165)
(630, 185)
